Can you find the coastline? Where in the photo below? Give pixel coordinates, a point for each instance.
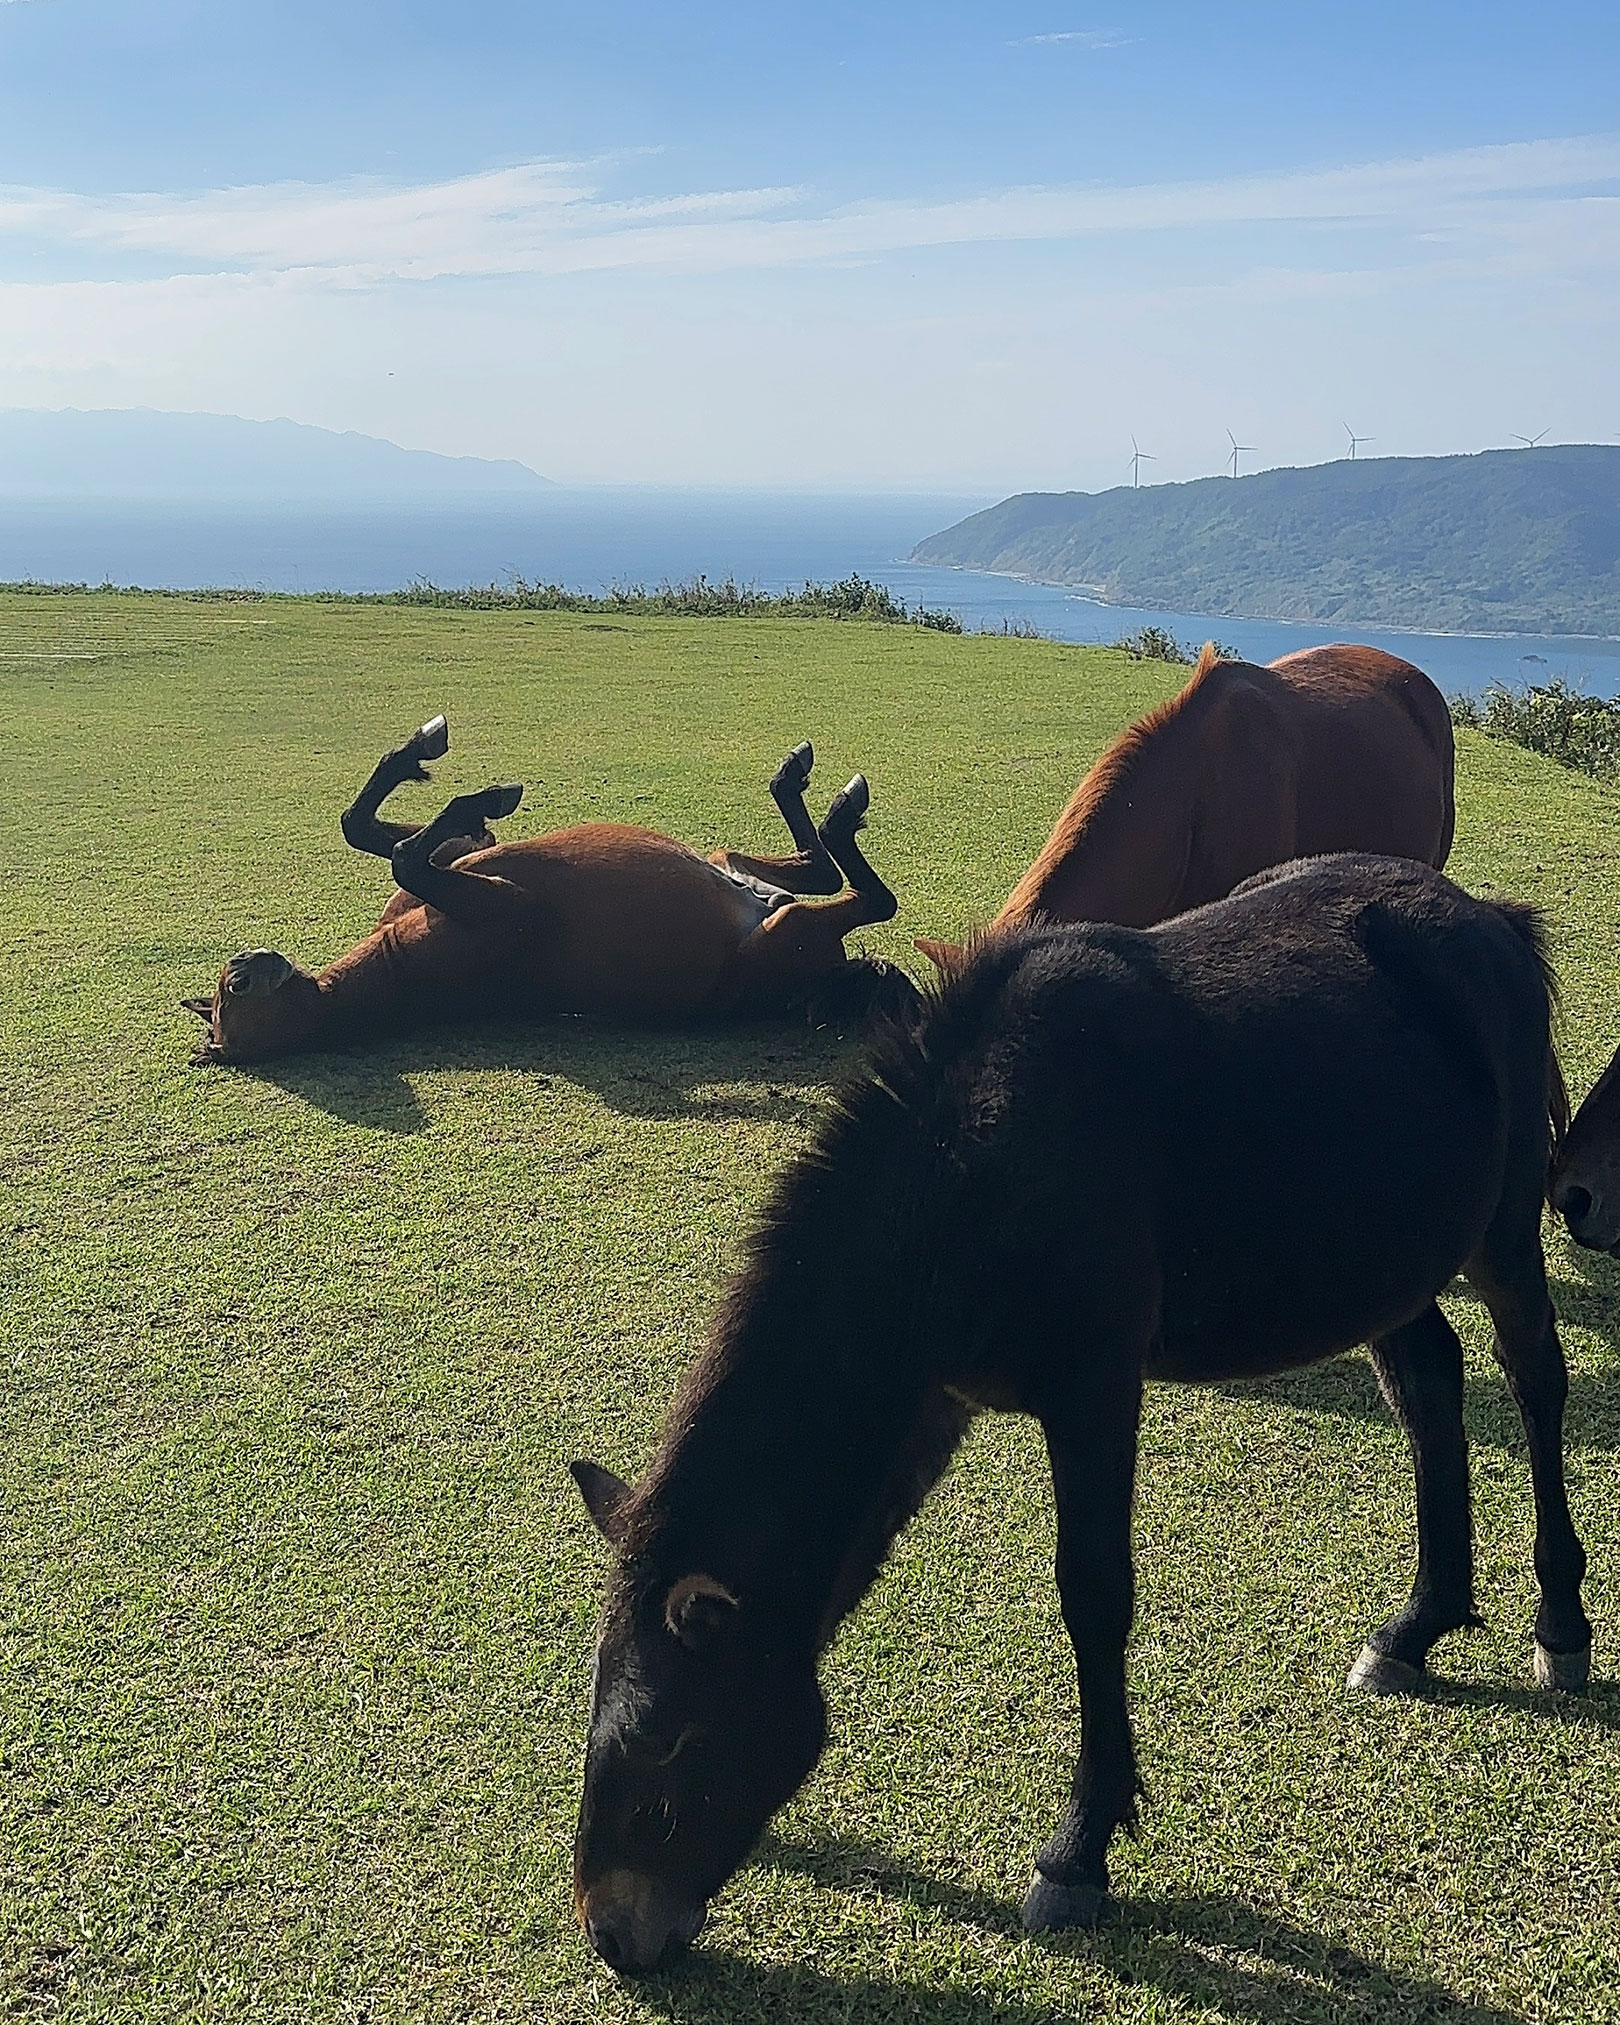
(1091, 594)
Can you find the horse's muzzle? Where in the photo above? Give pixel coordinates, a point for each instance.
(1586, 1220)
(636, 1924)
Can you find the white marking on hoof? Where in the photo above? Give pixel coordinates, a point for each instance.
(1566, 1672)
(1377, 1674)
(433, 740)
(1051, 1908)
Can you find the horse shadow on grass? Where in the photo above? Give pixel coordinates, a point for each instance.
(742, 1070)
(1209, 1951)
(1346, 1385)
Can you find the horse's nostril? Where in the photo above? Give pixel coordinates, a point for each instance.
(1576, 1205)
(607, 1941)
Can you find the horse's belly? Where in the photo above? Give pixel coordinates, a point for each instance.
(1318, 1287)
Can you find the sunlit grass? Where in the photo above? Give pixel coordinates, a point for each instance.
(297, 1597)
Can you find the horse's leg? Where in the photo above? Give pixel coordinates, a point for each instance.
(480, 899)
(362, 827)
(810, 869)
(1511, 1278)
(846, 815)
(1091, 1441)
(1420, 1369)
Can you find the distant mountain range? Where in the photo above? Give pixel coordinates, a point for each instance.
(1510, 541)
(108, 454)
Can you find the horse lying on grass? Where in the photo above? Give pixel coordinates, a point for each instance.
(1238, 1143)
(601, 918)
(1330, 749)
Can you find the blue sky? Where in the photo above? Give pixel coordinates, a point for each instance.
(878, 246)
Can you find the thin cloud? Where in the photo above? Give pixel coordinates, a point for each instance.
(553, 218)
(1082, 38)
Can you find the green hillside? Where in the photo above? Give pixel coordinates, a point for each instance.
(1509, 541)
(296, 1596)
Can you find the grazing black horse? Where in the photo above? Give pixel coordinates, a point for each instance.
(1252, 1137)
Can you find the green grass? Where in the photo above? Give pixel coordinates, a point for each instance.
(297, 1598)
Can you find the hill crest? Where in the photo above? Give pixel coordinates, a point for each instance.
(1500, 541)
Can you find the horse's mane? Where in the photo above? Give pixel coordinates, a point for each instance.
(1113, 768)
(1118, 761)
(892, 1105)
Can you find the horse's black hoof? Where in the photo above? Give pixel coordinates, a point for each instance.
(1375, 1673)
(501, 801)
(793, 775)
(433, 740)
(849, 806)
(1057, 1908)
(1568, 1673)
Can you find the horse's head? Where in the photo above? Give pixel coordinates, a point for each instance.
(264, 1005)
(1585, 1186)
(865, 992)
(704, 1720)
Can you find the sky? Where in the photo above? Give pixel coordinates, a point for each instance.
(887, 247)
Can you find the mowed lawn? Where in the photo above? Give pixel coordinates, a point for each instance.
(297, 1597)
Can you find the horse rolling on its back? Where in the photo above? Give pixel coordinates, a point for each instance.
(600, 918)
(1331, 749)
(1247, 1139)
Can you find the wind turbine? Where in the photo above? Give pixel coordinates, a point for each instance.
(1138, 459)
(1237, 447)
(1530, 442)
(1355, 439)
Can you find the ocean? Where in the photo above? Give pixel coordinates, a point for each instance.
(593, 538)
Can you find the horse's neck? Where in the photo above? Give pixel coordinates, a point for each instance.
(1121, 848)
(383, 980)
(798, 1465)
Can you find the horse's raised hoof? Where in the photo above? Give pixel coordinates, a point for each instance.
(433, 740)
(1058, 1908)
(1568, 1673)
(848, 807)
(501, 801)
(1377, 1674)
(792, 777)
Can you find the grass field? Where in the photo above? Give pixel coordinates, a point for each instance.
(296, 1597)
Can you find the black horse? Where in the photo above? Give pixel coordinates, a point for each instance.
(1250, 1138)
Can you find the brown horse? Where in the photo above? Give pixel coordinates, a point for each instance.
(1330, 749)
(1586, 1177)
(601, 918)
(1234, 1144)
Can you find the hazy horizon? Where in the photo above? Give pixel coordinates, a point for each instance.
(413, 474)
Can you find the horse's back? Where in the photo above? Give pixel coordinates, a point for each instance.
(1298, 1109)
(1376, 753)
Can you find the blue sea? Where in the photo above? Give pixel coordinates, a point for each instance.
(597, 537)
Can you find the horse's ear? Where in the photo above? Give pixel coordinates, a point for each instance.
(697, 1609)
(202, 1007)
(605, 1498)
(944, 956)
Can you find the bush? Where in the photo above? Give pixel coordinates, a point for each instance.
(1579, 731)
(855, 598)
(1158, 643)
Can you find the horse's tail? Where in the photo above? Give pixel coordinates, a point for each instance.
(1442, 998)
(1529, 924)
